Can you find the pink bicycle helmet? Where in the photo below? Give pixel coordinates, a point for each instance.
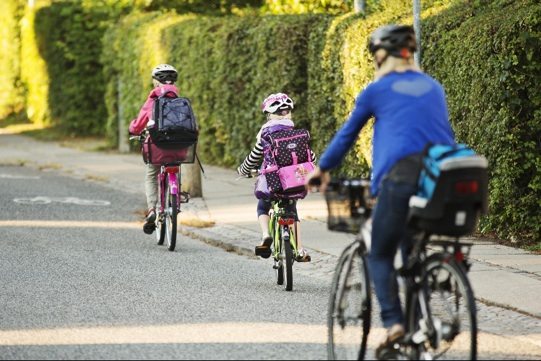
(276, 102)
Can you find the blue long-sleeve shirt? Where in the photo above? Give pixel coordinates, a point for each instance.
(410, 111)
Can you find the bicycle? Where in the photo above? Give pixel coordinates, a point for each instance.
(169, 187)
(282, 228)
(440, 309)
(284, 246)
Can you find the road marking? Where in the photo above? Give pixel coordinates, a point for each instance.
(66, 200)
(69, 224)
(242, 333)
(230, 333)
(17, 176)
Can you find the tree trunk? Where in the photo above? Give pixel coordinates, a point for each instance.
(191, 179)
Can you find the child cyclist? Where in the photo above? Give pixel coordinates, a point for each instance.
(277, 108)
(164, 77)
(410, 112)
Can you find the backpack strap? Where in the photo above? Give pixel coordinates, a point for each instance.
(165, 95)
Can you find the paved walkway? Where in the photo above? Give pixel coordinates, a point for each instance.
(501, 275)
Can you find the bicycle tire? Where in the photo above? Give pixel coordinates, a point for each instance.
(448, 293)
(160, 231)
(350, 287)
(288, 262)
(277, 249)
(170, 220)
(160, 226)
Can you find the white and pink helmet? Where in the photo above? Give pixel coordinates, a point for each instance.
(275, 102)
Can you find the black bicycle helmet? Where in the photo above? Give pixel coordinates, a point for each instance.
(165, 73)
(394, 39)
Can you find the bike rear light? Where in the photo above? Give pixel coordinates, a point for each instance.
(466, 187)
(459, 256)
(172, 169)
(286, 221)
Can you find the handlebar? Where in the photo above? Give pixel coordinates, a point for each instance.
(253, 173)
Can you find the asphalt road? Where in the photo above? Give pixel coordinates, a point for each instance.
(80, 280)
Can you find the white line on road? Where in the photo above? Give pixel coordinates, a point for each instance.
(65, 200)
(69, 224)
(16, 176)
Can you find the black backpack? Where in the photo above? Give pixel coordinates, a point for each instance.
(175, 124)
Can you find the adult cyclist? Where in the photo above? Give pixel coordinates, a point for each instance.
(410, 111)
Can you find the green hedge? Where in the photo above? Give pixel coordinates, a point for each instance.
(227, 66)
(487, 54)
(10, 86)
(69, 36)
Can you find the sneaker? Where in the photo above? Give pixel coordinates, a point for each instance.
(303, 256)
(264, 250)
(150, 221)
(386, 350)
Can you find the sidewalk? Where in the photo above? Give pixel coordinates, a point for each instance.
(500, 275)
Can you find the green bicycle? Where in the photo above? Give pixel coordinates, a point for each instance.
(284, 246)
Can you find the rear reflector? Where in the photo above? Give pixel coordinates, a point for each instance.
(173, 169)
(466, 187)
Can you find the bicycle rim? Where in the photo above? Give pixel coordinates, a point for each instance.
(171, 219)
(451, 304)
(288, 264)
(348, 317)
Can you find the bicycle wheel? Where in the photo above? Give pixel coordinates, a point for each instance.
(288, 259)
(170, 217)
(452, 315)
(348, 317)
(160, 228)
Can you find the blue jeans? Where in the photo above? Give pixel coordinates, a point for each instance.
(389, 231)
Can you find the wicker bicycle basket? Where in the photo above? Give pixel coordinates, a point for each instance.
(347, 204)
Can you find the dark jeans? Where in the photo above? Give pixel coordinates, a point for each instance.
(389, 231)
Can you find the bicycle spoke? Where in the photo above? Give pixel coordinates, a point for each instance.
(452, 313)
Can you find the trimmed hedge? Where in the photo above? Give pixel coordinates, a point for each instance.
(10, 87)
(487, 54)
(34, 74)
(61, 44)
(229, 65)
(225, 81)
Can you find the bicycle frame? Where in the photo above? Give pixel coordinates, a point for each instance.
(169, 172)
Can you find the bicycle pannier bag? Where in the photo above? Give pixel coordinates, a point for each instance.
(453, 191)
(432, 159)
(175, 123)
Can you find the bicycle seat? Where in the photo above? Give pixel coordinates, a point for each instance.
(460, 197)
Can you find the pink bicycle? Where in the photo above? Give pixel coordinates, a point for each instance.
(171, 197)
(169, 185)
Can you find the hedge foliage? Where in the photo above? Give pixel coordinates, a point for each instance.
(11, 100)
(227, 67)
(487, 54)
